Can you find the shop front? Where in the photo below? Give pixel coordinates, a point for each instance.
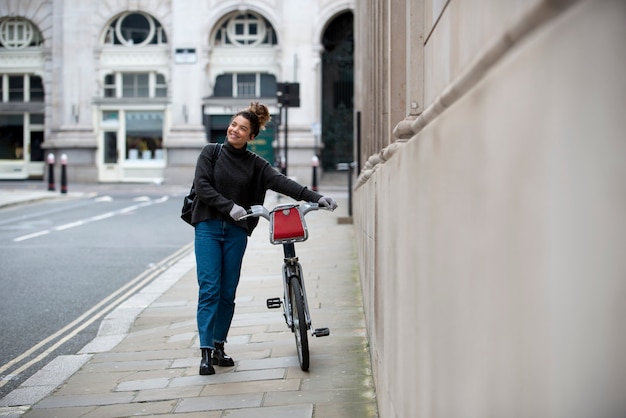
(131, 145)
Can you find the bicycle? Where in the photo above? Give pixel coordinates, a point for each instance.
(287, 226)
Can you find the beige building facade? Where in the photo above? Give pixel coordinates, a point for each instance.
(490, 205)
(129, 91)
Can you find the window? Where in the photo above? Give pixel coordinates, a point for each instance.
(135, 29)
(110, 148)
(144, 135)
(109, 85)
(110, 118)
(18, 33)
(16, 136)
(36, 89)
(21, 88)
(135, 85)
(223, 86)
(268, 85)
(16, 88)
(247, 29)
(244, 29)
(11, 137)
(36, 129)
(36, 119)
(245, 85)
(36, 140)
(21, 132)
(118, 85)
(132, 136)
(160, 87)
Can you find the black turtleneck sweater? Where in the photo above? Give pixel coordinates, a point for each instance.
(242, 177)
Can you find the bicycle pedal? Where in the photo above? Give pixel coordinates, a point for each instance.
(321, 332)
(273, 303)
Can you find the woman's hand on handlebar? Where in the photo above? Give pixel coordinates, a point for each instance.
(237, 212)
(255, 212)
(327, 202)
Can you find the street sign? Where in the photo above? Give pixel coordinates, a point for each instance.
(185, 56)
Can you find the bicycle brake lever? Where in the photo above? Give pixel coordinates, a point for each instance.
(257, 211)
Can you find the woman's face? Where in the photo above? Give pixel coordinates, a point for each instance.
(239, 132)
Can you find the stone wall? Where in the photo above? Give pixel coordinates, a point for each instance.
(491, 228)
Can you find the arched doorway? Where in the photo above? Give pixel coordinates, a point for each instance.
(338, 91)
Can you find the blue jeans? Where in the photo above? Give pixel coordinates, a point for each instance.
(219, 247)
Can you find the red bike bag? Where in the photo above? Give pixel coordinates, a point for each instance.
(287, 225)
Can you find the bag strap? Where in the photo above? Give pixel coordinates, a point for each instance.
(216, 153)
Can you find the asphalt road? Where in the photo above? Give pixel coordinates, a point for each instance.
(67, 262)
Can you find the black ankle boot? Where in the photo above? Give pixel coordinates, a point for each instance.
(205, 364)
(220, 358)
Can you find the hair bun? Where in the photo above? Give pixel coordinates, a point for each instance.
(262, 113)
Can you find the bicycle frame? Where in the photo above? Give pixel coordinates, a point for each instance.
(287, 227)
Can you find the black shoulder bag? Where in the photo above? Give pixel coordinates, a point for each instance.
(188, 200)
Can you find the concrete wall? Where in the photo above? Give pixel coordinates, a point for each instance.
(491, 228)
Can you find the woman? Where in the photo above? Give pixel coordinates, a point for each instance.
(227, 182)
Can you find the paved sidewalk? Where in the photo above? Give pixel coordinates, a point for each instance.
(11, 196)
(145, 359)
(18, 192)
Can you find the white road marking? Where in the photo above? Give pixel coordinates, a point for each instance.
(106, 215)
(70, 225)
(29, 236)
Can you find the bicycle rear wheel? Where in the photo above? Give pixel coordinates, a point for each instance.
(299, 322)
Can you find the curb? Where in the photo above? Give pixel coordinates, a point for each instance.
(113, 329)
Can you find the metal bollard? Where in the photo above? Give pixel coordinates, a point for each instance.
(348, 167)
(51, 172)
(63, 173)
(315, 163)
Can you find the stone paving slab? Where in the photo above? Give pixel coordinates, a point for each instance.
(220, 403)
(289, 411)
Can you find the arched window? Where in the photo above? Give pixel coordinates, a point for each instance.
(18, 33)
(135, 29)
(245, 29)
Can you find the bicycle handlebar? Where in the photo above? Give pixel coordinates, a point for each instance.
(260, 211)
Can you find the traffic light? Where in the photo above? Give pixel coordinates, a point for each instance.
(288, 94)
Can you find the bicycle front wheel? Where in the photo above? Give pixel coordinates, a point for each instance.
(299, 322)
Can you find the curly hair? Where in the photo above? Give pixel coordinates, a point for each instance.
(257, 114)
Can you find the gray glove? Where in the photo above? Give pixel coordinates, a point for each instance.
(327, 202)
(237, 212)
